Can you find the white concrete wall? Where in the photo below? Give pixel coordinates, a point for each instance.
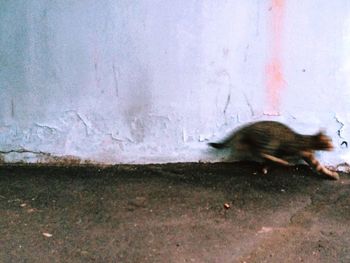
(153, 80)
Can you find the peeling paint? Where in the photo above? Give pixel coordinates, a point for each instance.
(44, 157)
(25, 151)
(46, 133)
(131, 83)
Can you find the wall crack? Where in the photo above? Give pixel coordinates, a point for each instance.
(339, 132)
(344, 143)
(249, 105)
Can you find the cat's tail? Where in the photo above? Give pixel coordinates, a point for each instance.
(217, 145)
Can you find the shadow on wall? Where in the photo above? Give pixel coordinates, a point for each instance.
(138, 106)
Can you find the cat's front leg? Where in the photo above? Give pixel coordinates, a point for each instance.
(313, 162)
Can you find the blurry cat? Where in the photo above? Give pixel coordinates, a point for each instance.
(274, 141)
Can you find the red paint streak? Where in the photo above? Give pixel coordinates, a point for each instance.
(274, 83)
(274, 68)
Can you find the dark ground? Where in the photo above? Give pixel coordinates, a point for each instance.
(172, 213)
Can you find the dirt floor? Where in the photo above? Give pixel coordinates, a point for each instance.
(173, 213)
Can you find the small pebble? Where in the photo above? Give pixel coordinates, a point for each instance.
(47, 234)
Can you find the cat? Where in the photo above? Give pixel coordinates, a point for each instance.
(276, 142)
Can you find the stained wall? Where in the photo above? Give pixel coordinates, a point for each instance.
(154, 81)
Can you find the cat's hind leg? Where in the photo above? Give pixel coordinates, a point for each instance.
(269, 159)
(275, 159)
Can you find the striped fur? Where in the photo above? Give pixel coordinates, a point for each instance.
(274, 141)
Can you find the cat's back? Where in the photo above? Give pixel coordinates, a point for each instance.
(267, 127)
(265, 131)
(259, 134)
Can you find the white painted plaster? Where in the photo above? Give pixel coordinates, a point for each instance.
(154, 81)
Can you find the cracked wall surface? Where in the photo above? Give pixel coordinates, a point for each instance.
(148, 81)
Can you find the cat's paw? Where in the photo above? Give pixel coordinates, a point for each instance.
(333, 175)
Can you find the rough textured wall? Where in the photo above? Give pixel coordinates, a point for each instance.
(153, 81)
